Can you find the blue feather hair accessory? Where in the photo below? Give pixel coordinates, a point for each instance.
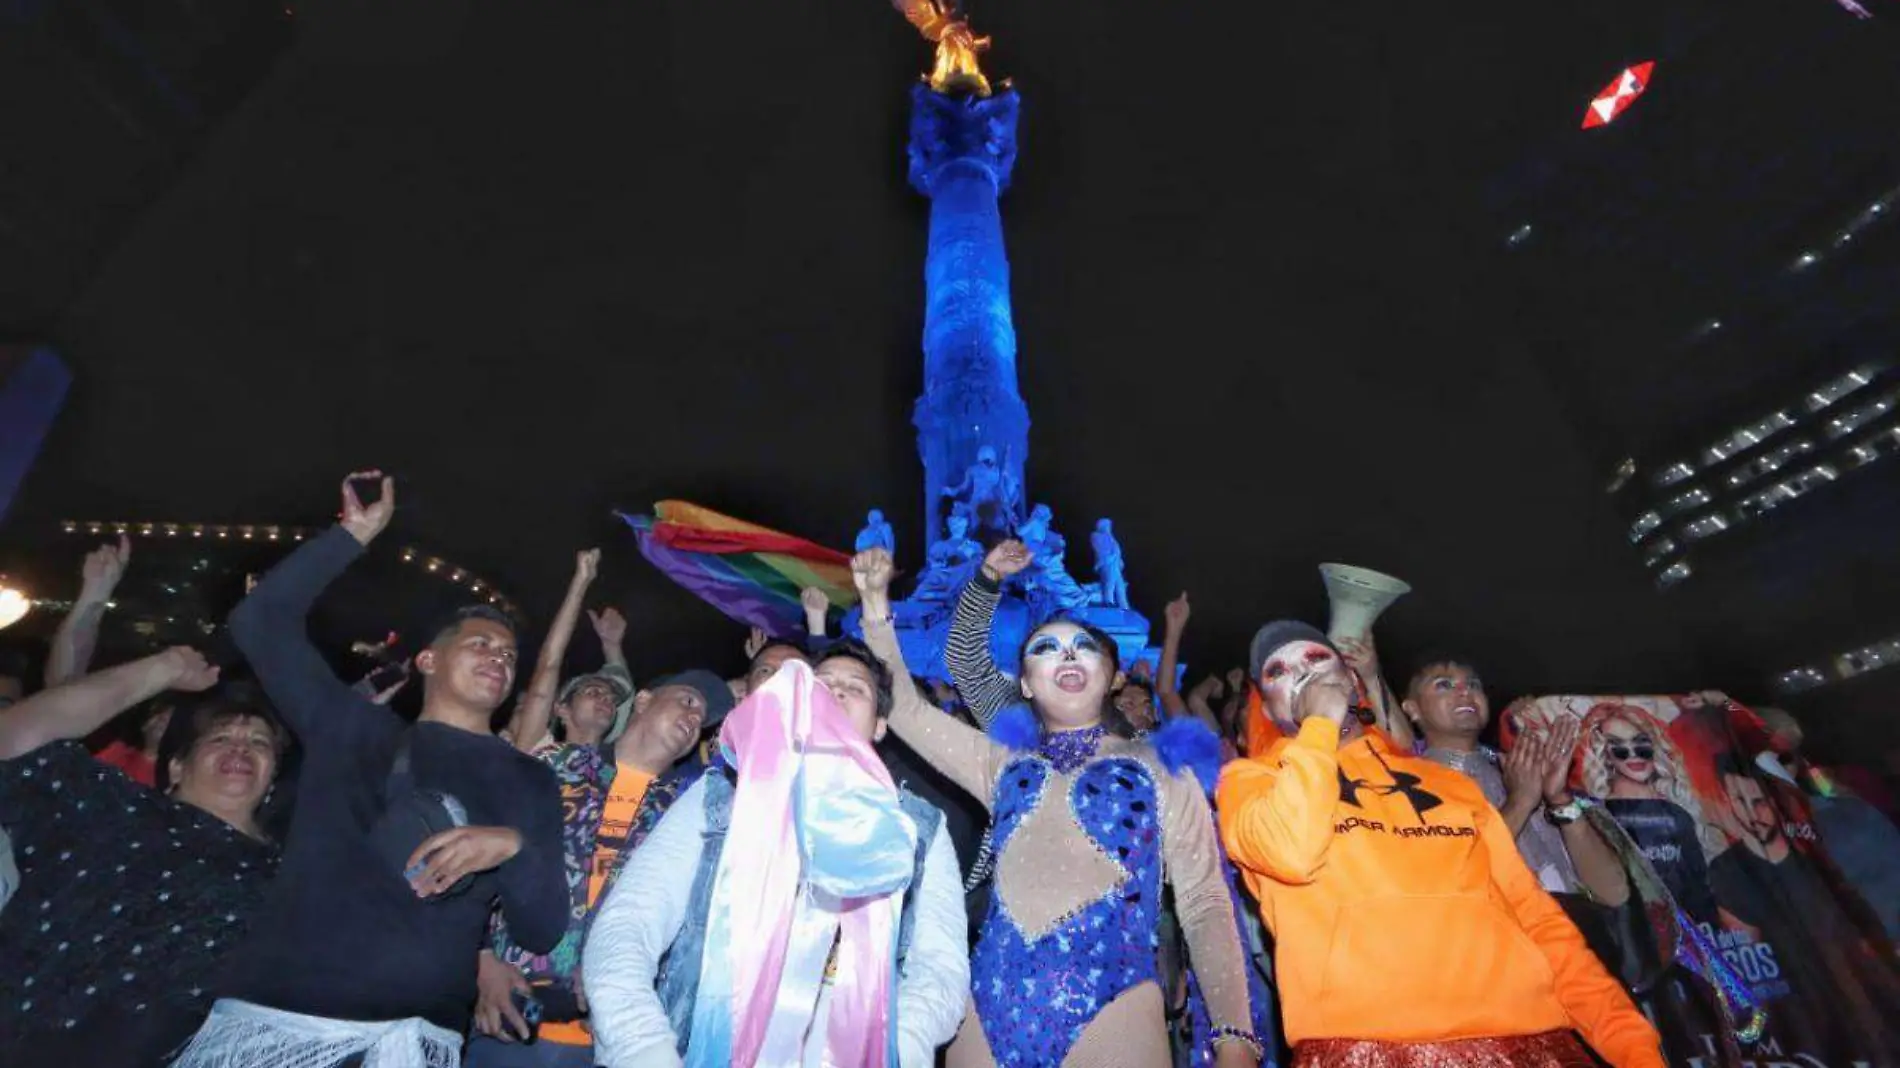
(1186, 742)
(1015, 728)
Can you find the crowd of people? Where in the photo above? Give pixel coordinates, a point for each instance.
(829, 861)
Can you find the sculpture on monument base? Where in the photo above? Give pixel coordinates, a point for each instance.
(1111, 583)
(987, 492)
(877, 533)
(950, 562)
(1050, 587)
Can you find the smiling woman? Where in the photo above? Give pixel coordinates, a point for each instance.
(129, 898)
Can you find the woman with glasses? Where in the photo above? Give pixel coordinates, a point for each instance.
(1089, 822)
(1633, 766)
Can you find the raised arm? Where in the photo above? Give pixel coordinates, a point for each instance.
(1176, 616)
(78, 633)
(1363, 658)
(528, 726)
(78, 708)
(957, 750)
(1205, 908)
(1278, 820)
(611, 628)
(1201, 700)
(1610, 1022)
(817, 606)
(985, 689)
(269, 627)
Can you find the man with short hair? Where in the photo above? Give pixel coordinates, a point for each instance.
(614, 790)
(1407, 928)
(1446, 703)
(770, 657)
(646, 1013)
(360, 954)
(1839, 999)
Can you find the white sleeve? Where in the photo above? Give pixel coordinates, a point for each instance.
(642, 915)
(934, 990)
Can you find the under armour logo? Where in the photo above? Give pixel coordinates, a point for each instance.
(1406, 783)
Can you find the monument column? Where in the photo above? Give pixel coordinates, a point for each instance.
(962, 150)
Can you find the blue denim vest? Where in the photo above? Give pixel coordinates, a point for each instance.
(679, 971)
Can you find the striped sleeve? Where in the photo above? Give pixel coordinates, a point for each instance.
(984, 689)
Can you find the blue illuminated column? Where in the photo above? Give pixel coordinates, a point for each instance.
(962, 150)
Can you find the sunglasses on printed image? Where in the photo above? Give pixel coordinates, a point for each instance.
(1641, 750)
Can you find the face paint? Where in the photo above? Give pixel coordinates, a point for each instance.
(1082, 643)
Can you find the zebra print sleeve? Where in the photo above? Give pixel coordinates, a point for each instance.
(984, 689)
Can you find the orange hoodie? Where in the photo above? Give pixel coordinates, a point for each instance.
(1400, 908)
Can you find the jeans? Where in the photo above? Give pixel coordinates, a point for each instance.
(485, 1052)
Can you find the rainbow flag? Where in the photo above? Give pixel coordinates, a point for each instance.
(751, 573)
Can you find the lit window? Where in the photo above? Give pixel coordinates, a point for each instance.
(1704, 526)
(1659, 552)
(1693, 497)
(1840, 387)
(1674, 473)
(1645, 523)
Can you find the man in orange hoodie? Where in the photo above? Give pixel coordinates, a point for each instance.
(1408, 930)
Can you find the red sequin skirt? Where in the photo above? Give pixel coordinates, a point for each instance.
(1552, 1049)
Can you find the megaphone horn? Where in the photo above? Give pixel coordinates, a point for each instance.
(1358, 595)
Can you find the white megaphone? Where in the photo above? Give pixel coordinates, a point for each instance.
(1357, 596)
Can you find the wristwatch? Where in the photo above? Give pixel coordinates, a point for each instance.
(1564, 814)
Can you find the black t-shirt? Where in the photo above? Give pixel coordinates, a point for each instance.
(128, 901)
(342, 935)
(1844, 1003)
(1670, 841)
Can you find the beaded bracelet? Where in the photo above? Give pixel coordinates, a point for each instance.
(1235, 1034)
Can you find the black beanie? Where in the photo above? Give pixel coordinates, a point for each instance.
(1268, 639)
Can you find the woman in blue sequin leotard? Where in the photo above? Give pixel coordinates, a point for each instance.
(1089, 822)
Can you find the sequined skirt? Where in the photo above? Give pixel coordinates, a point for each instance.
(1552, 1049)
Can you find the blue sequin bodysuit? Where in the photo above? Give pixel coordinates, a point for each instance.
(1035, 995)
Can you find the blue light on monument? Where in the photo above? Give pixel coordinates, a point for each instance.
(972, 424)
(962, 150)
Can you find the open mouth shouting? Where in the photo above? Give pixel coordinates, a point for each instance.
(1071, 679)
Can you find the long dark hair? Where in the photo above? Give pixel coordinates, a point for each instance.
(1112, 719)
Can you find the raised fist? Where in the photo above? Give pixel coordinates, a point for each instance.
(587, 565)
(103, 568)
(871, 572)
(1177, 612)
(1008, 558)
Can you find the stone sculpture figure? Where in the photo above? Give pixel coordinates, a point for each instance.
(1112, 584)
(877, 533)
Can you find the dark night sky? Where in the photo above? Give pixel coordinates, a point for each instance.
(545, 261)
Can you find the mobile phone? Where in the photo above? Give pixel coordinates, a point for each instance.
(529, 1007)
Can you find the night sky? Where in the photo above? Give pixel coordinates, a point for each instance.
(543, 261)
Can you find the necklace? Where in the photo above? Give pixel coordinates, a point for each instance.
(1069, 750)
(1470, 762)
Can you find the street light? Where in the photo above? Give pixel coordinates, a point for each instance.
(14, 604)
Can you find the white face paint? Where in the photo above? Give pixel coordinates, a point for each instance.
(1289, 670)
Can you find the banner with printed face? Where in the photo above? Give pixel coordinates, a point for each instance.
(1731, 833)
